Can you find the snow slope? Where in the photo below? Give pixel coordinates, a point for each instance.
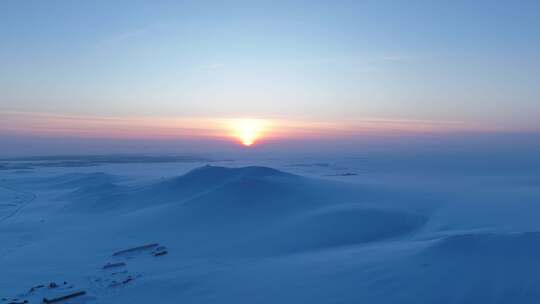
(261, 235)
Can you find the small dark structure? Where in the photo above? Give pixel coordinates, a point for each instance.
(164, 252)
(127, 280)
(36, 287)
(115, 283)
(65, 297)
(134, 249)
(113, 265)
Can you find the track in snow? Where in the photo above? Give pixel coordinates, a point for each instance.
(27, 198)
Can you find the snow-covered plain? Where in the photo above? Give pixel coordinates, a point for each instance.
(347, 230)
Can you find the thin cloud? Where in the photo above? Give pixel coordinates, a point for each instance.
(45, 124)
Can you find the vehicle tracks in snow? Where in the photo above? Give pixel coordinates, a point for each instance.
(26, 199)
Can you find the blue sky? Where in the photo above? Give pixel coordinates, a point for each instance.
(471, 61)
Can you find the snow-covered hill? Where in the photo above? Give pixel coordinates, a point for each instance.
(261, 235)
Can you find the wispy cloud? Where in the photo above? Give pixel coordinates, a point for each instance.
(46, 124)
(393, 58)
(85, 126)
(213, 66)
(135, 34)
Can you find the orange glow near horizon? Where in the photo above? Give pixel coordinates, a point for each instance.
(247, 131)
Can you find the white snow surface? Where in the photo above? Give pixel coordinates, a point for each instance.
(271, 231)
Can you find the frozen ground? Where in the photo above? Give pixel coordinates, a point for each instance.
(344, 230)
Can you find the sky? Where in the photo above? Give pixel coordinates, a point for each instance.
(184, 69)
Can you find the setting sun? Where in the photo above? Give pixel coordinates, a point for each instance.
(247, 131)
